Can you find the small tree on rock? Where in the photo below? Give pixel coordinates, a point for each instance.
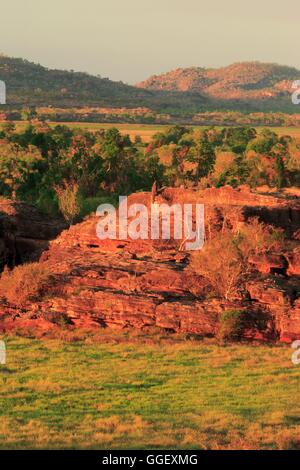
(67, 196)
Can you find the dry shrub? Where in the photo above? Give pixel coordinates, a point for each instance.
(204, 182)
(68, 203)
(24, 283)
(223, 261)
(256, 237)
(221, 264)
(224, 160)
(233, 324)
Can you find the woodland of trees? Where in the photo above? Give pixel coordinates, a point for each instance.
(46, 165)
(143, 115)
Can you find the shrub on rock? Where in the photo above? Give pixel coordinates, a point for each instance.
(233, 324)
(24, 283)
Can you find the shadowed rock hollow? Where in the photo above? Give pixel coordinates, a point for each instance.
(24, 232)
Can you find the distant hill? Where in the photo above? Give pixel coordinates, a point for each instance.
(257, 84)
(32, 84)
(248, 86)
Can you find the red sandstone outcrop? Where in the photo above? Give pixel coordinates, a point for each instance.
(238, 205)
(144, 283)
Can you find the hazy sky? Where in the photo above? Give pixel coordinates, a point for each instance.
(131, 39)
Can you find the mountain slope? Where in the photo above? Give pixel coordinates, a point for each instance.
(246, 81)
(32, 84)
(248, 86)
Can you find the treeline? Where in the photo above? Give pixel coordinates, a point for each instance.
(247, 119)
(50, 166)
(38, 161)
(149, 116)
(230, 155)
(86, 114)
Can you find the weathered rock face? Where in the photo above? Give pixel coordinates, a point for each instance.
(289, 324)
(24, 232)
(238, 205)
(120, 290)
(294, 262)
(144, 283)
(270, 263)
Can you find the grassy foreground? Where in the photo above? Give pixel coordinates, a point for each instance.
(127, 392)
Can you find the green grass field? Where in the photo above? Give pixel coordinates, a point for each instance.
(146, 131)
(135, 393)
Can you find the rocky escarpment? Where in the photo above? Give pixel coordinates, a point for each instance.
(125, 283)
(24, 232)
